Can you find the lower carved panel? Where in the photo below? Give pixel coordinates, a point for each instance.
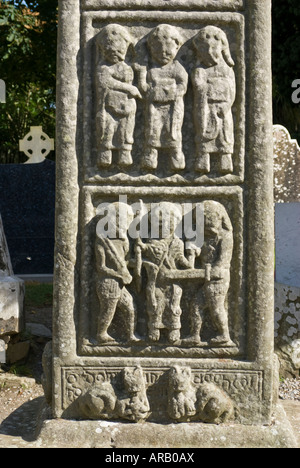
(178, 393)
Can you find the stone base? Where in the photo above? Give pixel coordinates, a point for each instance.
(59, 433)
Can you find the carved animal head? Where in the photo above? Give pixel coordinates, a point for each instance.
(180, 379)
(213, 405)
(211, 44)
(133, 379)
(98, 402)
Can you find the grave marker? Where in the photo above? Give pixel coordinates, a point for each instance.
(11, 292)
(36, 145)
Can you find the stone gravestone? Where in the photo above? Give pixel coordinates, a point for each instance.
(36, 145)
(287, 235)
(164, 258)
(11, 296)
(287, 230)
(287, 287)
(27, 207)
(286, 166)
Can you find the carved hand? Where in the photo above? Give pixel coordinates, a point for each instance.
(135, 92)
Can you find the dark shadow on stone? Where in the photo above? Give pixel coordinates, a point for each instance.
(23, 421)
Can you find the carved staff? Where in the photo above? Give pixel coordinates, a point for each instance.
(114, 255)
(138, 268)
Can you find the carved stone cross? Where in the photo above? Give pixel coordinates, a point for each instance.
(36, 145)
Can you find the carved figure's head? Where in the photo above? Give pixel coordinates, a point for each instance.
(165, 218)
(212, 46)
(216, 218)
(113, 41)
(164, 43)
(115, 223)
(180, 379)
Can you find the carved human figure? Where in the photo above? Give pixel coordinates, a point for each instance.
(214, 95)
(215, 258)
(115, 96)
(112, 277)
(164, 86)
(133, 404)
(160, 256)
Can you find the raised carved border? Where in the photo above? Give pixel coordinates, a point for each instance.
(213, 5)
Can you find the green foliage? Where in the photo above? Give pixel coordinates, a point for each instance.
(38, 295)
(28, 31)
(286, 63)
(20, 369)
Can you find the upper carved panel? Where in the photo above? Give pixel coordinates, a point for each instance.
(164, 103)
(209, 5)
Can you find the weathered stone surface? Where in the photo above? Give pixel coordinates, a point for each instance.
(287, 237)
(14, 380)
(286, 166)
(17, 351)
(152, 137)
(5, 262)
(287, 329)
(2, 351)
(105, 434)
(37, 329)
(12, 292)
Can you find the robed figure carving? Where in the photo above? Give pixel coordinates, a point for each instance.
(116, 97)
(214, 86)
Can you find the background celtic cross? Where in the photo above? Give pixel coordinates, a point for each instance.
(36, 145)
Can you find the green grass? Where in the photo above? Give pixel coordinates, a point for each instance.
(20, 369)
(38, 294)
